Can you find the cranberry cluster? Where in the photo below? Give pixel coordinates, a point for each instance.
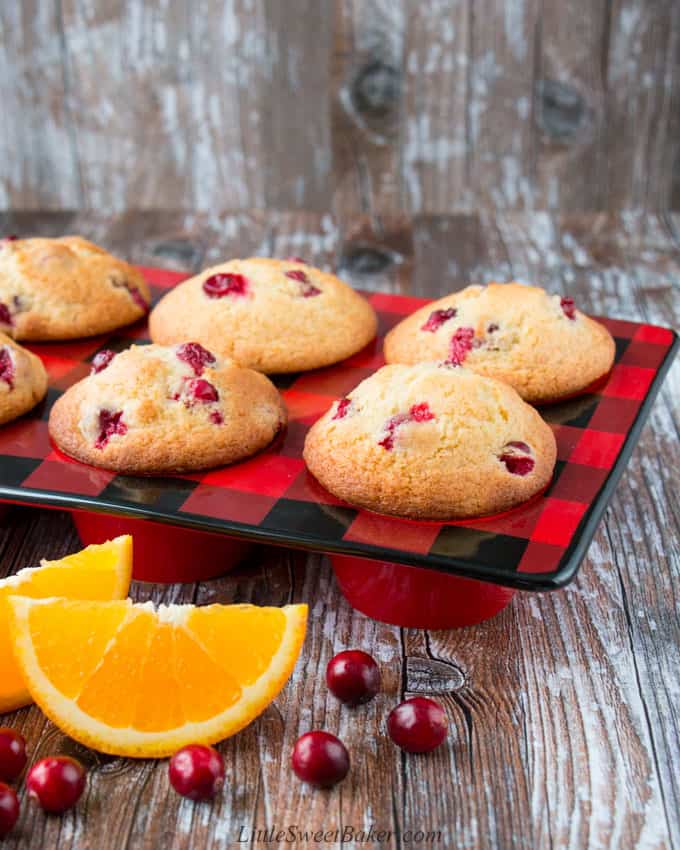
(55, 782)
(417, 725)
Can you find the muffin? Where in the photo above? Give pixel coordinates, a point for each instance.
(159, 410)
(538, 343)
(271, 315)
(23, 380)
(431, 441)
(66, 288)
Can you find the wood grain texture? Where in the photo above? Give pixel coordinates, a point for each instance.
(569, 102)
(565, 709)
(367, 106)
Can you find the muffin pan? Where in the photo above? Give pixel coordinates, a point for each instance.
(271, 498)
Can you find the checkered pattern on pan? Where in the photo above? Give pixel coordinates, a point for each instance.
(272, 497)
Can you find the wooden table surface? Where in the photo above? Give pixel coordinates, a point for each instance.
(565, 709)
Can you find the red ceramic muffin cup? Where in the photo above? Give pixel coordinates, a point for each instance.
(414, 597)
(165, 553)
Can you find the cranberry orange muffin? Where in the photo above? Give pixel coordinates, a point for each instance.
(157, 410)
(431, 442)
(271, 315)
(23, 380)
(538, 343)
(66, 288)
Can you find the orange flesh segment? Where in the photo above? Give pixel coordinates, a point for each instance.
(247, 646)
(88, 631)
(206, 688)
(108, 692)
(157, 695)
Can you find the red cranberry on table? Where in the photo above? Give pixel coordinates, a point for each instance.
(56, 782)
(353, 677)
(197, 772)
(12, 754)
(9, 809)
(320, 759)
(418, 725)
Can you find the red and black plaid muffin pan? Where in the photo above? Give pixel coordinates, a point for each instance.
(272, 498)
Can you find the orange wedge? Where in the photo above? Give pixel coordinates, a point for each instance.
(98, 572)
(135, 680)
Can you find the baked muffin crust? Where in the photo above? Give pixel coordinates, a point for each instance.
(161, 410)
(538, 343)
(431, 442)
(275, 316)
(66, 288)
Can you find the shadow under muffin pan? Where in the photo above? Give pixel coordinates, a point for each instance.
(420, 574)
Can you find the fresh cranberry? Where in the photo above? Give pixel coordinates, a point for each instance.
(56, 782)
(516, 456)
(12, 237)
(202, 390)
(417, 725)
(320, 758)
(196, 356)
(296, 260)
(110, 423)
(417, 413)
(225, 283)
(437, 318)
(6, 367)
(342, 409)
(5, 315)
(12, 754)
(353, 676)
(216, 418)
(462, 342)
(197, 772)
(9, 809)
(568, 308)
(308, 289)
(101, 360)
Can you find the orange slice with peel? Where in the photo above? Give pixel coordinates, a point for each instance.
(134, 680)
(102, 571)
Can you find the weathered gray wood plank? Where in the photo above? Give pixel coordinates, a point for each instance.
(569, 105)
(370, 107)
